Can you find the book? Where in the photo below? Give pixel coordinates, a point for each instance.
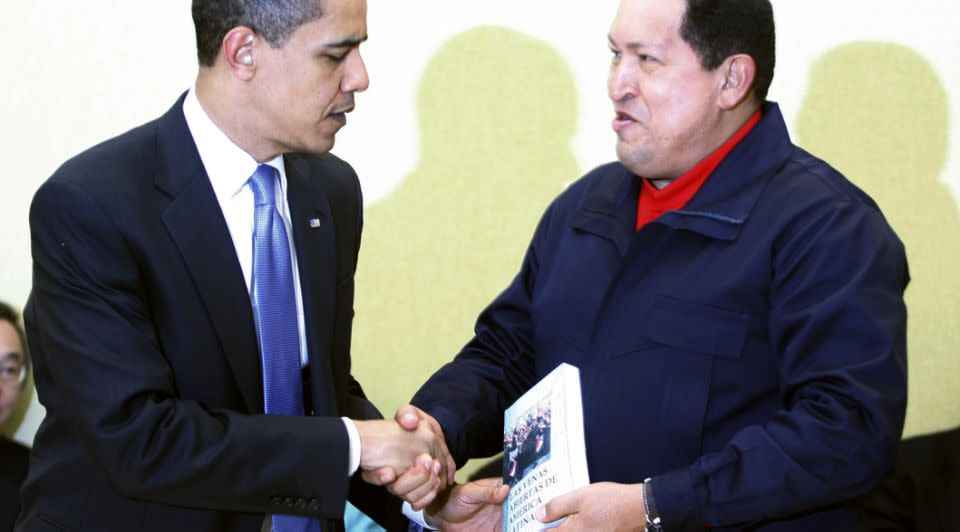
(544, 454)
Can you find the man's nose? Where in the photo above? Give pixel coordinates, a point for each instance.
(356, 78)
(621, 82)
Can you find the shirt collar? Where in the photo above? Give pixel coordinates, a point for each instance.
(653, 202)
(695, 176)
(227, 165)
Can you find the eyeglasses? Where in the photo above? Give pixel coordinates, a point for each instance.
(12, 370)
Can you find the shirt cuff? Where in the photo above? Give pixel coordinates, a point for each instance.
(675, 494)
(354, 438)
(416, 517)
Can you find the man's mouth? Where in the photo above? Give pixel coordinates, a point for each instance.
(622, 121)
(340, 115)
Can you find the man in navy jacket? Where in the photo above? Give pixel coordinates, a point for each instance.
(734, 304)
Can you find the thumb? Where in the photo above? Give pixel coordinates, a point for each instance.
(408, 416)
(559, 507)
(379, 477)
(486, 491)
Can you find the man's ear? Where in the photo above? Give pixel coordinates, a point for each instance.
(239, 51)
(736, 76)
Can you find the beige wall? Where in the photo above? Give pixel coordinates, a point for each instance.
(469, 98)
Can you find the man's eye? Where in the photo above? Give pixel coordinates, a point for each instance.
(336, 58)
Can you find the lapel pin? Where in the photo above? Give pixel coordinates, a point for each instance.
(314, 223)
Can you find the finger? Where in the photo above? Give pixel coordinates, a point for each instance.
(438, 470)
(492, 482)
(451, 467)
(439, 450)
(429, 420)
(408, 416)
(499, 494)
(485, 491)
(379, 477)
(448, 466)
(428, 463)
(410, 481)
(423, 495)
(559, 507)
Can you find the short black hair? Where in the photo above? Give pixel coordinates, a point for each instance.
(274, 20)
(717, 29)
(9, 315)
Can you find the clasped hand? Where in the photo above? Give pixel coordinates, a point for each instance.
(407, 454)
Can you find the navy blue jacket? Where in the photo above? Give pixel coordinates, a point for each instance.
(748, 352)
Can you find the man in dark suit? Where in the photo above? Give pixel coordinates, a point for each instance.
(195, 274)
(14, 457)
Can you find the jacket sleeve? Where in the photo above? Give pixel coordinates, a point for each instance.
(101, 365)
(468, 395)
(838, 330)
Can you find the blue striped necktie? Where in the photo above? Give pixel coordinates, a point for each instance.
(275, 312)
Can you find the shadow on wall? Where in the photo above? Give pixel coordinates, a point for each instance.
(497, 111)
(878, 112)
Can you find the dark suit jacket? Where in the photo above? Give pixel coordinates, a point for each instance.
(13, 469)
(146, 357)
(923, 493)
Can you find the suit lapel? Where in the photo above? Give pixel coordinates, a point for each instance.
(196, 225)
(315, 241)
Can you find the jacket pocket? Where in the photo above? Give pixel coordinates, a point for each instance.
(685, 341)
(697, 327)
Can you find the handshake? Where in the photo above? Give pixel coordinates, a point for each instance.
(409, 456)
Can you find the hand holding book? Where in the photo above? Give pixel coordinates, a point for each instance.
(474, 506)
(600, 506)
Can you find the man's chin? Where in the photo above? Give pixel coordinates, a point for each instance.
(317, 147)
(633, 159)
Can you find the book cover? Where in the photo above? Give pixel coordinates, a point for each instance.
(543, 448)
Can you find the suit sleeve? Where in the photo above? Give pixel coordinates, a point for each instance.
(104, 370)
(838, 329)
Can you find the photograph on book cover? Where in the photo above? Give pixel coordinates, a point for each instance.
(526, 444)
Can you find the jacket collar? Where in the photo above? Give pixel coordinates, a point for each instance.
(178, 161)
(721, 206)
(197, 227)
